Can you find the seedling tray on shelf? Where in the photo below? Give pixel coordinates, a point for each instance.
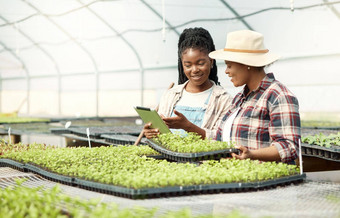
(28, 128)
(155, 192)
(122, 139)
(49, 175)
(187, 190)
(96, 132)
(11, 163)
(59, 131)
(191, 157)
(332, 153)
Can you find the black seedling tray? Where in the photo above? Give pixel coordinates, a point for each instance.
(156, 192)
(11, 163)
(191, 157)
(49, 175)
(60, 131)
(96, 132)
(28, 128)
(122, 139)
(332, 153)
(187, 190)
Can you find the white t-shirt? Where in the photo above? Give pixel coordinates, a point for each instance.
(227, 126)
(194, 99)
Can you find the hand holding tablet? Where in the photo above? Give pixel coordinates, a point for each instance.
(151, 116)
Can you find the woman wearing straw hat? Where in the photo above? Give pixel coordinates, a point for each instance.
(264, 118)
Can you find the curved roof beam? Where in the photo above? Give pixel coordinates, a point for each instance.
(160, 16)
(237, 15)
(16, 57)
(66, 33)
(35, 44)
(76, 42)
(126, 41)
(25, 69)
(185, 23)
(37, 14)
(47, 54)
(336, 12)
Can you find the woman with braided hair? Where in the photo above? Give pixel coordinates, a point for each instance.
(197, 103)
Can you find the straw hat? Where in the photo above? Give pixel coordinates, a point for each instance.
(245, 47)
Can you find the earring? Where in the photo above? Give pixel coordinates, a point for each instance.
(248, 68)
(212, 66)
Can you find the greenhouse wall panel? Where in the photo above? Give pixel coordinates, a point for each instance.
(79, 83)
(12, 101)
(78, 103)
(122, 103)
(129, 80)
(44, 102)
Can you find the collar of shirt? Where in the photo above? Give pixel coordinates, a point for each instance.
(217, 89)
(264, 84)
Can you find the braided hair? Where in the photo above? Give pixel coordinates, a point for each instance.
(196, 38)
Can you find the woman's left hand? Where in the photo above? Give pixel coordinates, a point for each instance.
(244, 153)
(178, 122)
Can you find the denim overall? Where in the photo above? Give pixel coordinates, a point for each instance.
(194, 114)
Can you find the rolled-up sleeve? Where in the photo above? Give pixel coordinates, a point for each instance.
(284, 126)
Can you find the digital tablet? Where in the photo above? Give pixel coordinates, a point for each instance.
(151, 116)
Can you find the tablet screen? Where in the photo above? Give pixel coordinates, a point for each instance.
(151, 116)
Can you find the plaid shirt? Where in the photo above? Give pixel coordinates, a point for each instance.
(268, 116)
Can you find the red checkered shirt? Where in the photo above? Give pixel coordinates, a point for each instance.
(268, 116)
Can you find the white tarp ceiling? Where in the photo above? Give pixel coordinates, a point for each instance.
(60, 41)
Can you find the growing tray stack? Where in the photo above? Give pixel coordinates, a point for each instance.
(321, 145)
(332, 153)
(191, 157)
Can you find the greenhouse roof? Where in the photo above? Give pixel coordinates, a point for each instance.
(69, 38)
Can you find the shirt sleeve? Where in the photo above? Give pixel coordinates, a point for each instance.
(220, 111)
(284, 126)
(166, 103)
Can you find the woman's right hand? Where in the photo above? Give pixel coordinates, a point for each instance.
(148, 132)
